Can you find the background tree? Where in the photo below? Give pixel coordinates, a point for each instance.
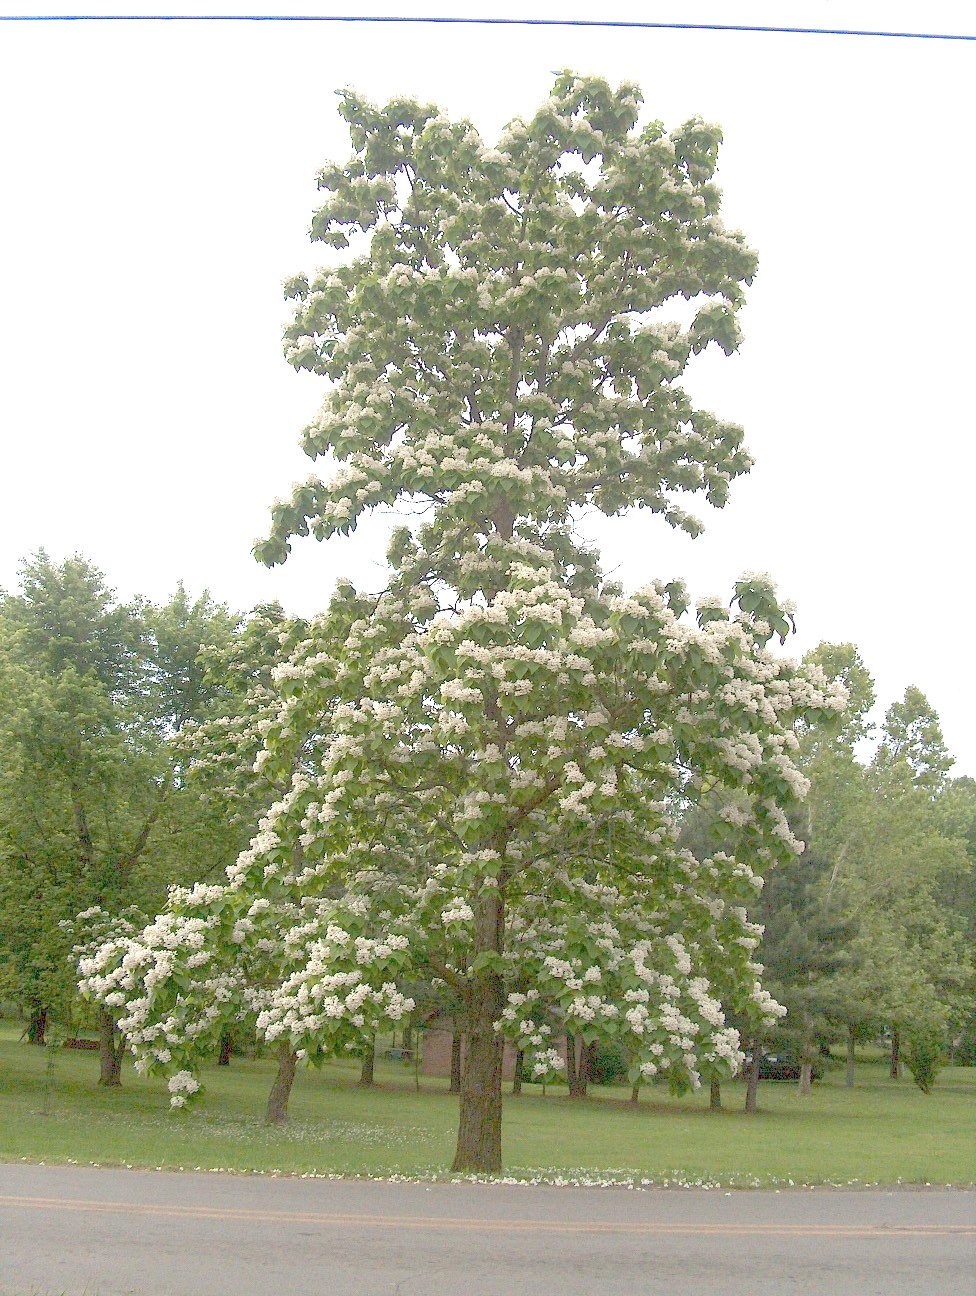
(90, 805)
(807, 957)
(912, 735)
(892, 867)
(219, 750)
(805, 947)
(956, 816)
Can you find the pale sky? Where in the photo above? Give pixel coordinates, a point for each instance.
(158, 181)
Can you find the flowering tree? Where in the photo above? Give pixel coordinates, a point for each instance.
(502, 736)
(221, 954)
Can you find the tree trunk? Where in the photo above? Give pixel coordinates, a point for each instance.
(223, 1058)
(804, 1085)
(519, 1071)
(715, 1096)
(572, 1080)
(849, 1078)
(635, 1092)
(109, 1052)
(479, 1144)
(577, 1065)
(369, 1062)
(277, 1109)
(407, 1035)
(752, 1079)
(457, 1040)
(37, 1025)
(895, 1068)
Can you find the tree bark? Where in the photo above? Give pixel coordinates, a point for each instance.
(109, 1052)
(577, 1065)
(849, 1078)
(635, 1092)
(569, 1054)
(805, 1083)
(479, 1144)
(895, 1068)
(37, 1025)
(752, 1079)
(223, 1057)
(519, 1071)
(457, 1040)
(715, 1096)
(276, 1112)
(369, 1063)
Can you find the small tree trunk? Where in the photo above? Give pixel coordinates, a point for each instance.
(752, 1079)
(456, 1060)
(519, 1071)
(109, 1052)
(479, 1144)
(407, 1035)
(635, 1092)
(37, 1025)
(223, 1058)
(849, 1078)
(457, 1040)
(577, 1065)
(895, 1069)
(715, 1096)
(570, 1055)
(805, 1083)
(276, 1112)
(369, 1063)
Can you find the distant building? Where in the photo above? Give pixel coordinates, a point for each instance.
(436, 1039)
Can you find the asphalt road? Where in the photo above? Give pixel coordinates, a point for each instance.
(90, 1232)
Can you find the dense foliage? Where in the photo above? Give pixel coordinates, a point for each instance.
(93, 808)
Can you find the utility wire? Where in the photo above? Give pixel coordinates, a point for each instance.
(604, 24)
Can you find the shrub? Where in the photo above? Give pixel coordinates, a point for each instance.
(608, 1063)
(923, 1054)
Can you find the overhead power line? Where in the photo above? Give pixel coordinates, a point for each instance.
(605, 24)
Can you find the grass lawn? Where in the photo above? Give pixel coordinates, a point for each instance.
(879, 1132)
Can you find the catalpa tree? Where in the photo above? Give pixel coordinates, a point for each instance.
(503, 737)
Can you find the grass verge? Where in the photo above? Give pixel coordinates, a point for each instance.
(879, 1132)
